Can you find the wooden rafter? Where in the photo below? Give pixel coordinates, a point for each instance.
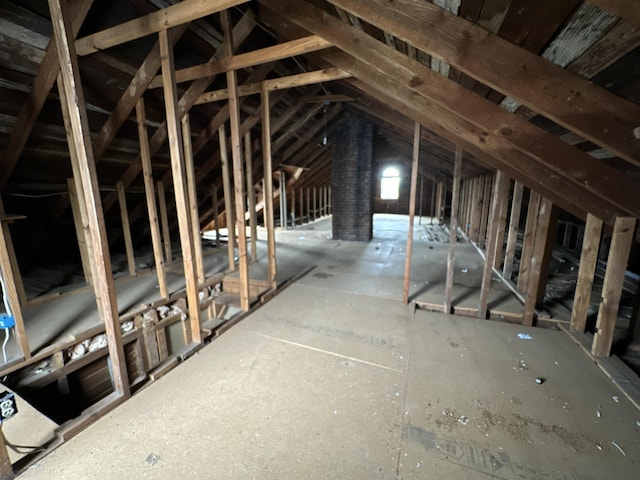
(155, 22)
(564, 97)
(475, 120)
(257, 57)
(42, 84)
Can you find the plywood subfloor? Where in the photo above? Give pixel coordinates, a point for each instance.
(335, 378)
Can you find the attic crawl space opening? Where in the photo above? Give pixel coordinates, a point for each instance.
(166, 167)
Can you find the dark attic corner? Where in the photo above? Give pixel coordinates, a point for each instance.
(320, 239)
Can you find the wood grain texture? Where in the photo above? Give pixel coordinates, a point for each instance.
(586, 272)
(558, 94)
(619, 250)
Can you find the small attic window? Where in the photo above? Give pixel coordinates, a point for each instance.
(390, 184)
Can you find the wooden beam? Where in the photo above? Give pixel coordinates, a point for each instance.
(527, 241)
(72, 100)
(502, 226)
(585, 108)
(164, 221)
(228, 198)
(41, 86)
(81, 224)
(586, 272)
(453, 230)
(627, 9)
(412, 212)
(251, 197)
(155, 22)
(11, 277)
(619, 250)
(385, 83)
(126, 228)
(282, 83)
(545, 259)
(238, 167)
(484, 218)
(514, 225)
(17, 277)
(216, 213)
(193, 198)
(179, 184)
(292, 48)
(268, 187)
(240, 32)
(540, 245)
(150, 197)
(500, 191)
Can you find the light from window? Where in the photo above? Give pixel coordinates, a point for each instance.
(390, 184)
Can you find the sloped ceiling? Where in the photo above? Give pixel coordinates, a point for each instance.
(547, 91)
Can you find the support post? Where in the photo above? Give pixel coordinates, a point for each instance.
(81, 224)
(293, 207)
(193, 198)
(412, 212)
(484, 217)
(216, 213)
(527, 242)
(538, 257)
(164, 221)
(301, 204)
(268, 185)
(228, 199)
(10, 276)
(586, 272)
(500, 192)
(149, 189)
(126, 228)
(308, 205)
(621, 243)
(17, 277)
(251, 197)
(420, 201)
(514, 225)
(453, 234)
(84, 170)
(238, 167)
(502, 225)
(180, 184)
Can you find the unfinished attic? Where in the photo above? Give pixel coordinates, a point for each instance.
(286, 239)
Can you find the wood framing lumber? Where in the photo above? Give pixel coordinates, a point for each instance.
(240, 32)
(179, 184)
(126, 228)
(619, 250)
(228, 198)
(193, 198)
(72, 100)
(268, 187)
(11, 278)
(216, 213)
(291, 81)
(453, 231)
(164, 222)
(528, 241)
(486, 201)
(41, 86)
(398, 80)
(564, 97)
(251, 197)
(502, 225)
(412, 212)
(80, 222)
(500, 191)
(238, 166)
(627, 9)
(514, 226)
(586, 272)
(150, 197)
(155, 22)
(292, 48)
(540, 242)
